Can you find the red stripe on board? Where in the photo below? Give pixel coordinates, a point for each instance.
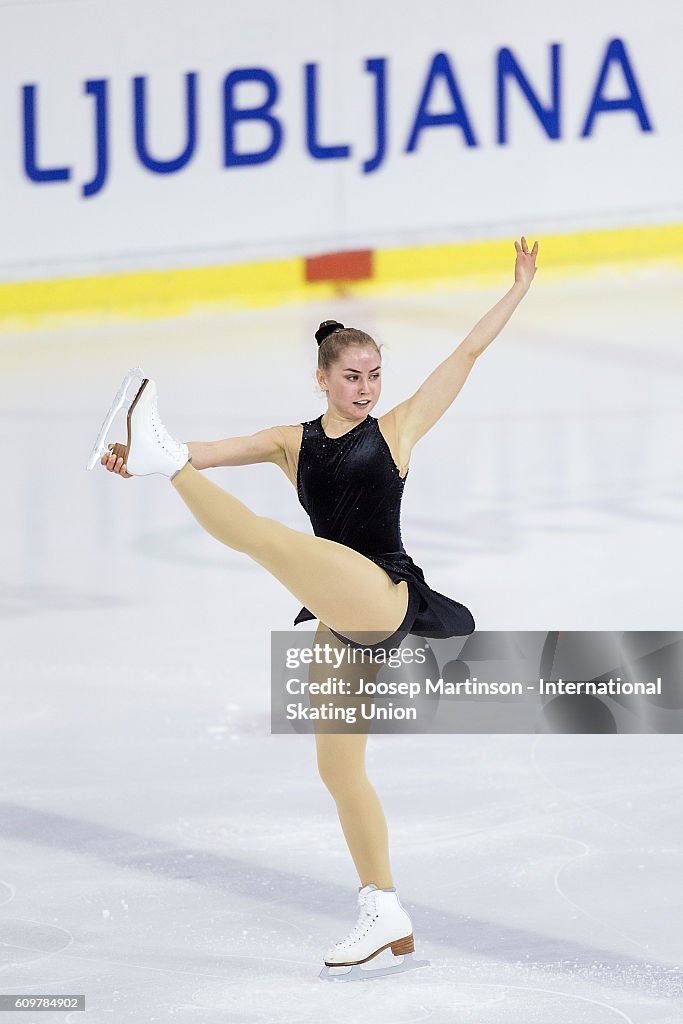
(340, 266)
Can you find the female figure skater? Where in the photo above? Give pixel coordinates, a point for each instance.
(354, 575)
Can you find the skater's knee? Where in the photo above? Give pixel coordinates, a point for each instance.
(340, 785)
(340, 775)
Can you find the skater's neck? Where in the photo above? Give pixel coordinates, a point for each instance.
(337, 426)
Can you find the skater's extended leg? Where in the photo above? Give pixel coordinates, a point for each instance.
(340, 586)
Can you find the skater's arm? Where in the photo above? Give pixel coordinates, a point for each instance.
(264, 446)
(414, 417)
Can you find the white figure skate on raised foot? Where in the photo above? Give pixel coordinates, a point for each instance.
(149, 448)
(383, 922)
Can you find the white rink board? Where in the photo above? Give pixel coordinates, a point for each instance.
(106, 207)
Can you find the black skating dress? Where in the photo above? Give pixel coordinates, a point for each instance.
(351, 489)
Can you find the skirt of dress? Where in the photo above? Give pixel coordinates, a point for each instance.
(430, 614)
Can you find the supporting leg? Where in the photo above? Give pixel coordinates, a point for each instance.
(341, 763)
(340, 586)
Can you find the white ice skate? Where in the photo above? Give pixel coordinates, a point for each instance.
(149, 448)
(383, 922)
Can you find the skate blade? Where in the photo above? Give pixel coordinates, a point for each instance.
(360, 973)
(121, 400)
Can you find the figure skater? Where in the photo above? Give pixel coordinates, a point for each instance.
(349, 470)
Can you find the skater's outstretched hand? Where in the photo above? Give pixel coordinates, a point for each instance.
(525, 264)
(115, 465)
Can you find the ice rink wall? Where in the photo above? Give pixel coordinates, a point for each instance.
(159, 157)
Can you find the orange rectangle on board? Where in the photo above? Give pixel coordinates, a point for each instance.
(340, 266)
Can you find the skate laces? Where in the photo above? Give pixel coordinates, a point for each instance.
(170, 443)
(367, 914)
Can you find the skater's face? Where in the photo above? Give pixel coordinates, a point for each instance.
(353, 382)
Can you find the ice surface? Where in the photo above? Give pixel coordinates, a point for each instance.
(167, 856)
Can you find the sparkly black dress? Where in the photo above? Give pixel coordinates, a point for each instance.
(351, 488)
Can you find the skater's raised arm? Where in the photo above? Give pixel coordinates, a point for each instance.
(414, 417)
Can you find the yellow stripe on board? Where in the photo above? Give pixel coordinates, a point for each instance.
(147, 294)
(152, 294)
(558, 255)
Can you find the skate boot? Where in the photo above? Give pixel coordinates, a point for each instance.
(382, 923)
(149, 448)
